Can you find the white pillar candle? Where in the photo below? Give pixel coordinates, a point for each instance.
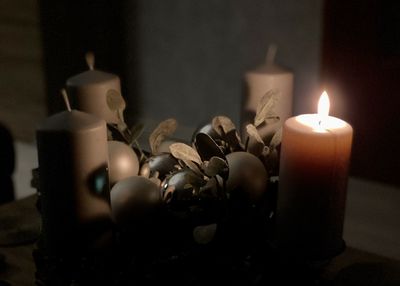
(73, 180)
(312, 183)
(88, 91)
(258, 82)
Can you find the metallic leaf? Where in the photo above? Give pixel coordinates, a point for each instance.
(192, 166)
(184, 152)
(276, 139)
(115, 101)
(253, 132)
(216, 166)
(222, 123)
(255, 143)
(266, 107)
(163, 130)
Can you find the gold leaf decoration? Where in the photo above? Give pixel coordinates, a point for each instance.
(253, 132)
(163, 130)
(184, 152)
(115, 101)
(276, 139)
(222, 124)
(216, 166)
(266, 107)
(255, 144)
(192, 166)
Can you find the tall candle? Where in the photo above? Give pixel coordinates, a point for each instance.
(258, 82)
(313, 175)
(88, 91)
(73, 181)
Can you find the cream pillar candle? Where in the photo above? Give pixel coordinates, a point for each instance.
(73, 180)
(258, 82)
(88, 91)
(313, 175)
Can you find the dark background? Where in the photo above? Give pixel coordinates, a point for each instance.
(361, 64)
(178, 58)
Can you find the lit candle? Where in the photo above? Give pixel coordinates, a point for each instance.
(313, 175)
(88, 91)
(73, 180)
(269, 76)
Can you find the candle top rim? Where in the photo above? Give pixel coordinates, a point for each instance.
(73, 120)
(271, 68)
(90, 77)
(313, 123)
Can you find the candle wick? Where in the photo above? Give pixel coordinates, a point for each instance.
(66, 100)
(271, 53)
(90, 59)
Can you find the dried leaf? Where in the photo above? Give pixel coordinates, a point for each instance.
(184, 152)
(136, 131)
(207, 147)
(222, 123)
(163, 130)
(266, 107)
(192, 166)
(255, 143)
(272, 119)
(115, 101)
(216, 166)
(204, 234)
(253, 132)
(120, 114)
(276, 139)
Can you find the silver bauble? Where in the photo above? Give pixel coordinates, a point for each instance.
(122, 161)
(246, 173)
(134, 199)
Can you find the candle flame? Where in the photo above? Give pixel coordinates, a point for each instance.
(323, 105)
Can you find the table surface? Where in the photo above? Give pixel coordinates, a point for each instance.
(17, 268)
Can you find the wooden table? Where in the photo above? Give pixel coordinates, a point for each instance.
(353, 267)
(19, 217)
